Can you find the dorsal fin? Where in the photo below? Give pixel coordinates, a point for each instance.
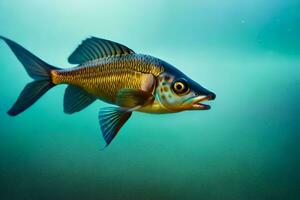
(94, 48)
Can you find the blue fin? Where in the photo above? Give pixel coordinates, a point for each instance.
(111, 120)
(36, 69)
(76, 99)
(30, 94)
(94, 48)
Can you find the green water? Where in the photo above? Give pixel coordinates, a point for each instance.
(245, 147)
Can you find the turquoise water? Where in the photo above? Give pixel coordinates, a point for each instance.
(245, 147)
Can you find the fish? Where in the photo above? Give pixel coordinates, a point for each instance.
(111, 72)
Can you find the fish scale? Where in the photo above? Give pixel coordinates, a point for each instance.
(106, 76)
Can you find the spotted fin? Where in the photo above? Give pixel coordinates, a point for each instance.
(130, 98)
(76, 99)
(111, 120)
(94, 48)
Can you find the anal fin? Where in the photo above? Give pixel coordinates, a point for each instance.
(76, 99)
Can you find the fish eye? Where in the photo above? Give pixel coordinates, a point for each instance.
(180, 87)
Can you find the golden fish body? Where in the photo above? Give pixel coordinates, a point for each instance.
(113, 73)
(105, 77)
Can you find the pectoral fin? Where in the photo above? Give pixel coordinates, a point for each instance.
(130, 98)
(111, 120)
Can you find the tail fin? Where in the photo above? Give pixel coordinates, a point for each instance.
(36, 69)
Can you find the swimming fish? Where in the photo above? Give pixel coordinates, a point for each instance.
(115, 74)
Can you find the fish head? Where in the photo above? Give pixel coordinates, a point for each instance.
(177, 92)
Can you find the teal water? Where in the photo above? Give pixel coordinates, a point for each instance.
(245, 147)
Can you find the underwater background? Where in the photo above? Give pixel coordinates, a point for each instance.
(245, 147)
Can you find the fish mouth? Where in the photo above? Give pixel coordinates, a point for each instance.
(197, 102)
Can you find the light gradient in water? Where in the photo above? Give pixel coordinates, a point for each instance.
(245, 147)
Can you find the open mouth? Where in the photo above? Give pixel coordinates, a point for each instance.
(198, 102)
